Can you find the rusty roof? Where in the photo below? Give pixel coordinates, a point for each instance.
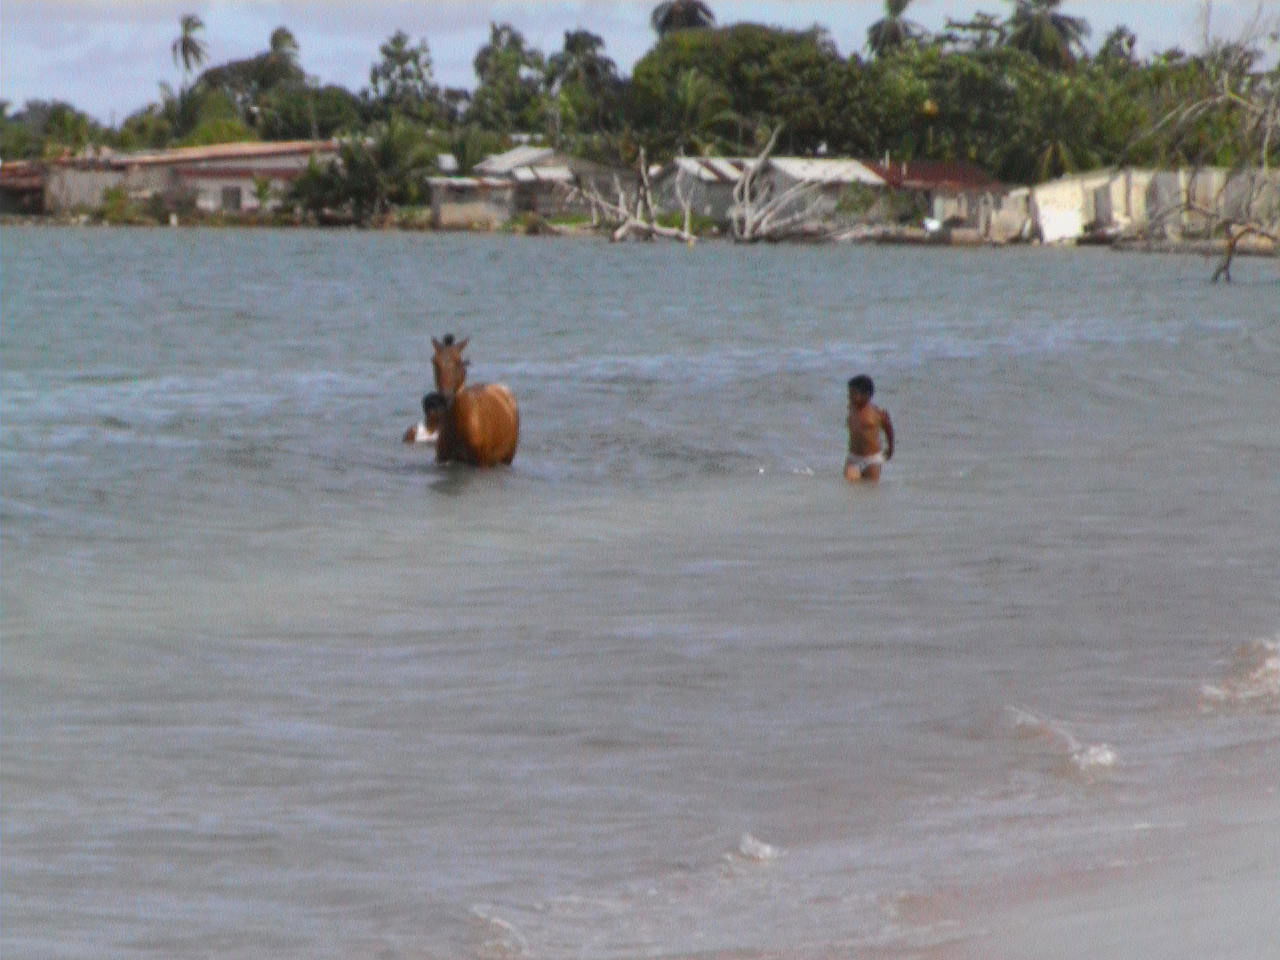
(21, 175)
(936, 175)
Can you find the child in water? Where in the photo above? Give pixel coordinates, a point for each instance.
(866, 423)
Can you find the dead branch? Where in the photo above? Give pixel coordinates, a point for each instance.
(638, 220)
(761, 214)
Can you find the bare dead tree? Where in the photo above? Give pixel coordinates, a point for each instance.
(1253, 100)
(636, 218)
(760, 212)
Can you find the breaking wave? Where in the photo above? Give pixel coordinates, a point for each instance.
(1252, 679)
(1087, 760)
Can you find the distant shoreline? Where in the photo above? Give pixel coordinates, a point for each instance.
(871, 236)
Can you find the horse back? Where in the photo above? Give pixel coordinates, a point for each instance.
(484, 426)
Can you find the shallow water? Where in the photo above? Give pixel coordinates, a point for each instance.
(275, 685)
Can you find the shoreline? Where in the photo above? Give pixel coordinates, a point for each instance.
(867, 236)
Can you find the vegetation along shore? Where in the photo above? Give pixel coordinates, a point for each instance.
(1013, 126)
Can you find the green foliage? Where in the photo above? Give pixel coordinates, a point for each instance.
(46, 129)
(1015, 94)
(402, 81)
(511, 95)
(216, 121)
(1053, 38)
(189, 49)
(119, 209)
(371, 175)
(894, 31)
(672, 15)
(767, 75)
(584, 87)
(308, 113)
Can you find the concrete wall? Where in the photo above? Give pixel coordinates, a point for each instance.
(69, 188)
(459, 207)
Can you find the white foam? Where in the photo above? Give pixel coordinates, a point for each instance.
(1097, 756)
(1088, 759)
(1252, 678)
(749, 848)
(504, 939)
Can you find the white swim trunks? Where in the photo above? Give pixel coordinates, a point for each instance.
(861, 463)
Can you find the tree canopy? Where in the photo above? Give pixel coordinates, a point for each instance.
(1015, 91)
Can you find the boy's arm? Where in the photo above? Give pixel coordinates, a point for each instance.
(887, 425)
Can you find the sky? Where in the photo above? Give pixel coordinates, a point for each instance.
(109, 57)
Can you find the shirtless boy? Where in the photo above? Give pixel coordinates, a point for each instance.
(866, 423)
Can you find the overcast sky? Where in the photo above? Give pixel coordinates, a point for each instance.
(108, 57)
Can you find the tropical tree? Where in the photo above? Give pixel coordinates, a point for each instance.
(681, 15)
(388, 169)
(983, 31)
(1053, 38)
(510, 95)
(583, 81)
(700, 109)
(1117, 49)
(251, 83)
(300, 112)
(402, 81)
(284, 43)
(188, 49)
(771, 76)
(894, 31)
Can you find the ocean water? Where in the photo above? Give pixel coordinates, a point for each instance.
(275, 685)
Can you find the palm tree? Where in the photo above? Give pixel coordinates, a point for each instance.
(583, 65)
(581, 61)
(188, 48)
(681, 15)
(700, 106)
(284, 43)
(1051, 37)
(894, 30)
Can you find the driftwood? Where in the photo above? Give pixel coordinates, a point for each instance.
(1235, 234)
(761, 214)
(636, 219)
(1256, 102)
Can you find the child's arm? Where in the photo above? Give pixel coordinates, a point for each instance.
(887, 425)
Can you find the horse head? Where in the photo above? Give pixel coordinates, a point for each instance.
(479, 424)
(449, 366)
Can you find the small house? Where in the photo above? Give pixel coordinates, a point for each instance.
(549, 183)
(471, 203)
(229, 177)
(705, 184)
(956, 196)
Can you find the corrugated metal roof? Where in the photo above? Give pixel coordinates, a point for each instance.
(470, 183)
(834, 171)
(937, 175)
(552, 174)
(712, 169)
(21, 175)
(505, 163)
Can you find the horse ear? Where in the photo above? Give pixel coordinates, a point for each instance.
(435, 343)
(463, 345)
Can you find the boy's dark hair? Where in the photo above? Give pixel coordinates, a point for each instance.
(862, 383)
(433, 401)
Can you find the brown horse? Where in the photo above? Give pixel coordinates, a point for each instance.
(479, 424)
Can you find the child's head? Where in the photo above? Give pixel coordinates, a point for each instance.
(862, 384)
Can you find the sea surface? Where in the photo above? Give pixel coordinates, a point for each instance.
(275, 685)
